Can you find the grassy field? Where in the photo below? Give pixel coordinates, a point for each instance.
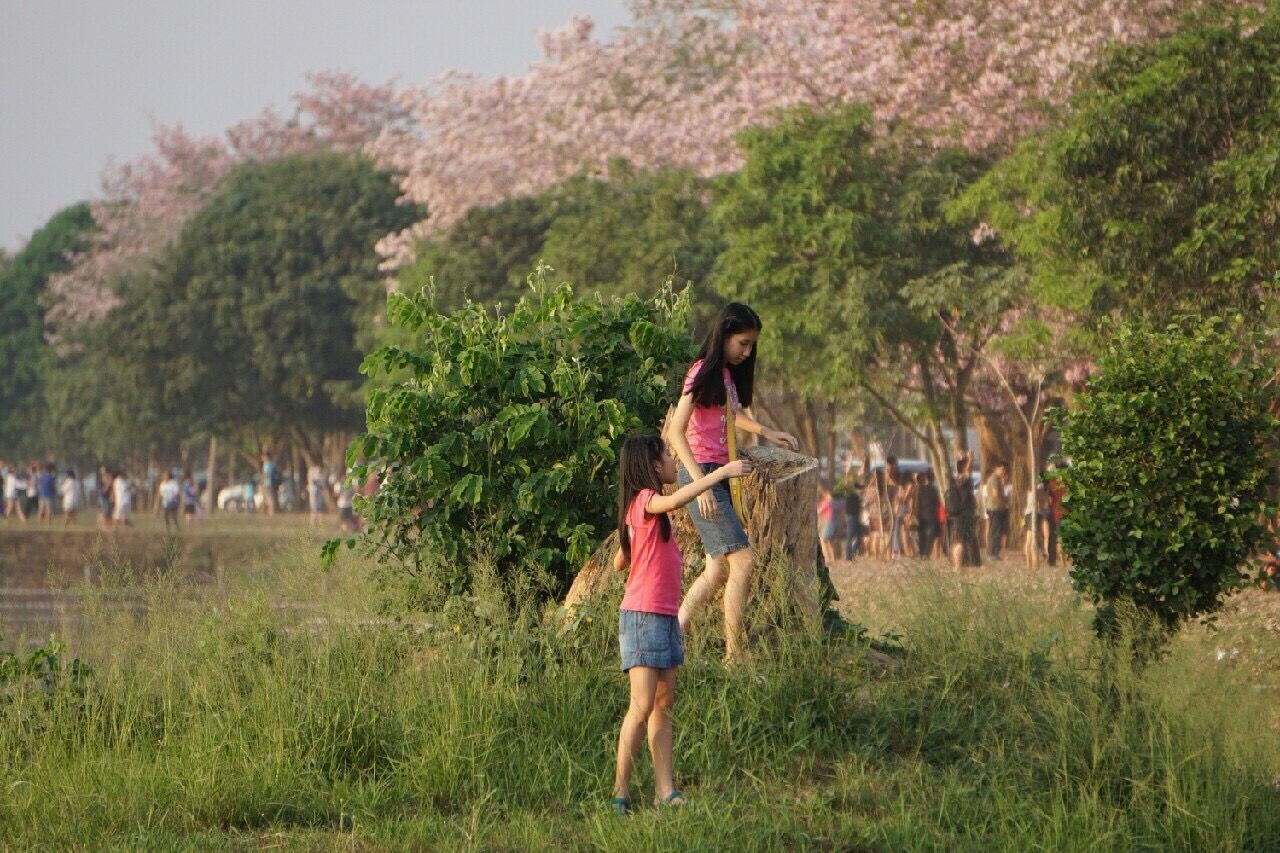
(227, 722)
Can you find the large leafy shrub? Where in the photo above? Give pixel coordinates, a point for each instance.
(497, 432)
(1170, 466)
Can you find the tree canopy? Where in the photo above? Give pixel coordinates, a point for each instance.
(251, 319)
(23, 350)
(1156, 194)
(841, 238)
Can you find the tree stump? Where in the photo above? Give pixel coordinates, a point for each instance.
(779, 501)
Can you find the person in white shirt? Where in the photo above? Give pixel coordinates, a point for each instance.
(345, 494)
(70, 491)
(15, 493)
(170, 496)
(123, 499)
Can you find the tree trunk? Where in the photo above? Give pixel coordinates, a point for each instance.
(305, 447)
(778, 501)
(211, 481)
(831, 441)
(803, 425)
(1005, 438)
(998, 441)
(1032, 468)
(944, 473)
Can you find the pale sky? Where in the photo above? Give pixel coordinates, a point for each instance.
(84, 82)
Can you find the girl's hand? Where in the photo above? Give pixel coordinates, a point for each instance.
(736, 468)
(707, 505)
(786, 439)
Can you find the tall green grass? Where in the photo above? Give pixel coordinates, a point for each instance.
(223, 721)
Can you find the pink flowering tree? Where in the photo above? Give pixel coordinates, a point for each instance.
(678, 84)
(144, 204)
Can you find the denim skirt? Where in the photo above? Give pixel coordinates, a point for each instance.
(649, 639)
(720, 535)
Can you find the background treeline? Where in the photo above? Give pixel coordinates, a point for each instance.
(908, 285)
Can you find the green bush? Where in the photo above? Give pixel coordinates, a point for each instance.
(496, 432)
(1170, 467)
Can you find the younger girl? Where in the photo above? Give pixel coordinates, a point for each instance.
(648, 634)
(719, 384)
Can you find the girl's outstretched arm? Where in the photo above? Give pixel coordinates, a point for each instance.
(748, 424)
(619, 561)
(666, 503)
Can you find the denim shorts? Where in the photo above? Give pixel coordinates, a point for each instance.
(720, 535)
(649, 639)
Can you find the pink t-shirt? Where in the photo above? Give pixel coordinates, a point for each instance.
(653, 583)
(706, 424)
(824, 509)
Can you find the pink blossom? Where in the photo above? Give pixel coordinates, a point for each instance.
(687, 75)
(144, 204)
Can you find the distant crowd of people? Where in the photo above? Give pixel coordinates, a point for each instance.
(887, 512)
(38, 490)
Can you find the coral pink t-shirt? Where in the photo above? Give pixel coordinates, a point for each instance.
(707, 423)
(653, 583)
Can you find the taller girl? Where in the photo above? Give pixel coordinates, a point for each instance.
(717, 387)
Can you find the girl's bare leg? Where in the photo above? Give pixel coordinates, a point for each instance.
(660, 734)
(644, 682)
(701, 590)
(741, 565)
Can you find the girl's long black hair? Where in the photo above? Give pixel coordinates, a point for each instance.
(708, 384)
(637, 470)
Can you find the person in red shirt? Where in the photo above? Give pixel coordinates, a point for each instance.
(1057, 491)
(648, 631)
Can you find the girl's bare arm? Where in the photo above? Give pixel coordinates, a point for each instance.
(666, 503)
(679, 442)
(749, 424)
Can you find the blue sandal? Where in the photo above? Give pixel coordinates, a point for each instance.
(675, 798)
(621, 806)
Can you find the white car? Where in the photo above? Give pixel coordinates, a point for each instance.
(231, 498)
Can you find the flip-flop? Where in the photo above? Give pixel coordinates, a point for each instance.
(674, 799)
(622, 806)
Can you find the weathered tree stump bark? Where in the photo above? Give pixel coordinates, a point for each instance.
(778, 499)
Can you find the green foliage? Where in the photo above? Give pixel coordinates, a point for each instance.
(251, 318)
(628, 234)
(1156, 194)
(633, 232)
(484, 257)
(845, 243)
(43, 668)
(23, 352)
(499, 431)
(1170, 465)
(799, 219)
